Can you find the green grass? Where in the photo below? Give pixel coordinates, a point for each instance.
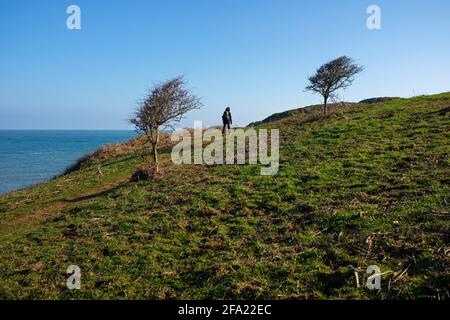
(364, 186)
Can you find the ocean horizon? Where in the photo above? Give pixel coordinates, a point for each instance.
(28, 157)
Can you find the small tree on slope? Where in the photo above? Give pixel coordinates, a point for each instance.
(165, 104)
(332, 76)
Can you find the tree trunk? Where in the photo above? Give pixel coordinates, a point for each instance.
(325, 106)
(155, 140)
(155, 157)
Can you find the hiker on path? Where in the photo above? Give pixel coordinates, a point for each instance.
(226, 119)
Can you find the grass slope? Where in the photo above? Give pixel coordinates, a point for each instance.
(367, 185)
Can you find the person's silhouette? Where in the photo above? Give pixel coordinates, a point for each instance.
(227, 120)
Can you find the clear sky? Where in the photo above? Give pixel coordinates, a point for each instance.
(251, 55)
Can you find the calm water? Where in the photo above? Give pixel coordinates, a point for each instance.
(31, 156)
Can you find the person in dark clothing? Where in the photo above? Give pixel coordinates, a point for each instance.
(226, 119)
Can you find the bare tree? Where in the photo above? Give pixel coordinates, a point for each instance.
(332, 76)
(165, 104)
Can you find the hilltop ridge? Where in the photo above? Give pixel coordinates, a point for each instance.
(317, 109)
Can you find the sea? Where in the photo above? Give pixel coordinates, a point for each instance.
(28, 157)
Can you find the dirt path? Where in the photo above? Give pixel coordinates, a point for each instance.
(22, 222)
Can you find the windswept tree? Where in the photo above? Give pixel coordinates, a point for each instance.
(332, 76)
(165, 104)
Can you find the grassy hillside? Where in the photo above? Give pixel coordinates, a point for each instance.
(367, 185)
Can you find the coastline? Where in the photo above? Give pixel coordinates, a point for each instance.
(31, 157)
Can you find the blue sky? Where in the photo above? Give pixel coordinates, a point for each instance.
(252, 55)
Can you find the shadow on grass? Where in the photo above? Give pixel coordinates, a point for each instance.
(95, 194)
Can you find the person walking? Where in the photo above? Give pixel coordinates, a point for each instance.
(227, 120)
